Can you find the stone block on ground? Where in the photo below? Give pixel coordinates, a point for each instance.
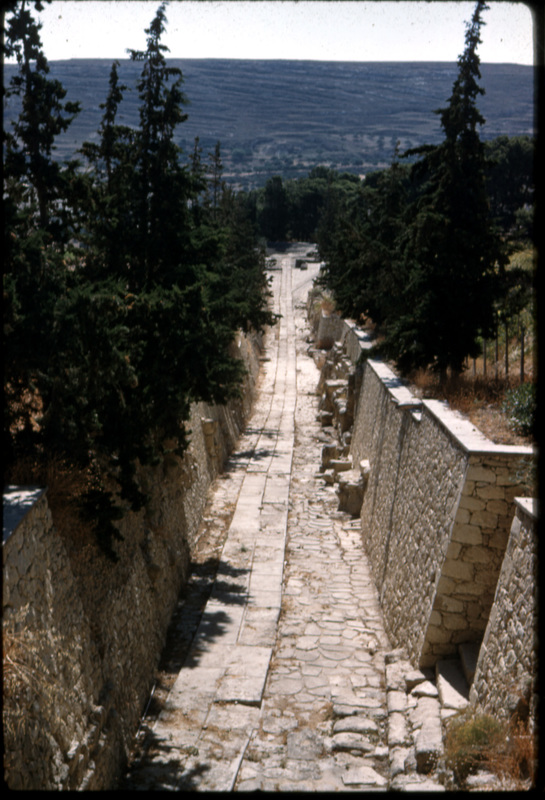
(350, 492)
(451, 684)
(363, 776)
(469, 653)
(429, 745)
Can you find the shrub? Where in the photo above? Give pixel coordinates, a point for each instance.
(469, 741)
(520, 406)
(506, 748)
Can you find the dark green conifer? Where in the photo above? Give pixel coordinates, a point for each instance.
(38, 228)
(453, 254)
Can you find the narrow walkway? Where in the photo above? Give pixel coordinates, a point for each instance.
(282, 687)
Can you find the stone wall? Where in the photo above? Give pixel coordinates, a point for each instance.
(505, 681)
(85, 633)
(437, 521)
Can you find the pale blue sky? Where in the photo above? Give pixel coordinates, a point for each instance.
(339, 30)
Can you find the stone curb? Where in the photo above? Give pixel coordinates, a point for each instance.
(415, 732)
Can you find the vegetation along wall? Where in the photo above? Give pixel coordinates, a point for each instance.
(451, 548)
(82, 633)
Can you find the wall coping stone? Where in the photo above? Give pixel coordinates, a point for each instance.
(17, 502)
(400, 394)
(363, 338)
(528, 505)
(470, 438)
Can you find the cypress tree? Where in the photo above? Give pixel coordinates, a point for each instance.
(111, 341)
(38, 228)
(453, 255)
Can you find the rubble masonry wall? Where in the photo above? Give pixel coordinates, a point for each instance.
(507, 668)
(439, 521)
(90, 630)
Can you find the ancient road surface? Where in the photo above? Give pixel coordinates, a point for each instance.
(282, 686)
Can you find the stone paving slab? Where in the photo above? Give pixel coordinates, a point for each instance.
(200, 737)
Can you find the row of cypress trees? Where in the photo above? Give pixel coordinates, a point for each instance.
(128, 272)
(419, 251)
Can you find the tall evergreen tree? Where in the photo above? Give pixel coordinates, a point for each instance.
(115, 341)
(106, 196)
(163, 186)
(453, 254)
(159, 342)
(44, 115)
(37, 227)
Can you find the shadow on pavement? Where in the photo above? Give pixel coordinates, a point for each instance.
(164, 775)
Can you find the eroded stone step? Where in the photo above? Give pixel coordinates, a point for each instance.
(452, 685)
(469, 654)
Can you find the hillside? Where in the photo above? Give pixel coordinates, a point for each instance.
(283, 117)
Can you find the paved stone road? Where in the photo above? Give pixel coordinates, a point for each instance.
(282, 686)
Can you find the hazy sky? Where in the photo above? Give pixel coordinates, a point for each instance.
(325, 30)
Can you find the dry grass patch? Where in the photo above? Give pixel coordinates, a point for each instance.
(477, 397)
(35, 704)
(480, 741)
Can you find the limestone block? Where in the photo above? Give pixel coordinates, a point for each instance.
(467, 534)
(413, 679)
(355, 724)
(365, 468)
(350, 492)
(437, 635)
(340, 464)
(462, 516)
(458, 570)
(398, 732)
(453, 550)
(398, 756)
(476, 472)
(444, 603)
(429, 743)
(484, 519)
(499, 507)
(363, 776)
(425, 689)
(498, 540)
(446, 586)
(329, 452)
(396, 700)
(435, 618)
(476, 554)
(331, 390)
(505, 478)
(472, 503)
(351, 742)
(451, 684)
(488, 492)
(455, 622)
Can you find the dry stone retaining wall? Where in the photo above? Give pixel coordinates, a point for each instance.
(89, 632)
(505, 676)
(450, 564)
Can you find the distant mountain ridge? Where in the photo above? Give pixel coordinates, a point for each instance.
(283, 117)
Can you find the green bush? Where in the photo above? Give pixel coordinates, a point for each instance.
(470, 741)
(520, 405)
